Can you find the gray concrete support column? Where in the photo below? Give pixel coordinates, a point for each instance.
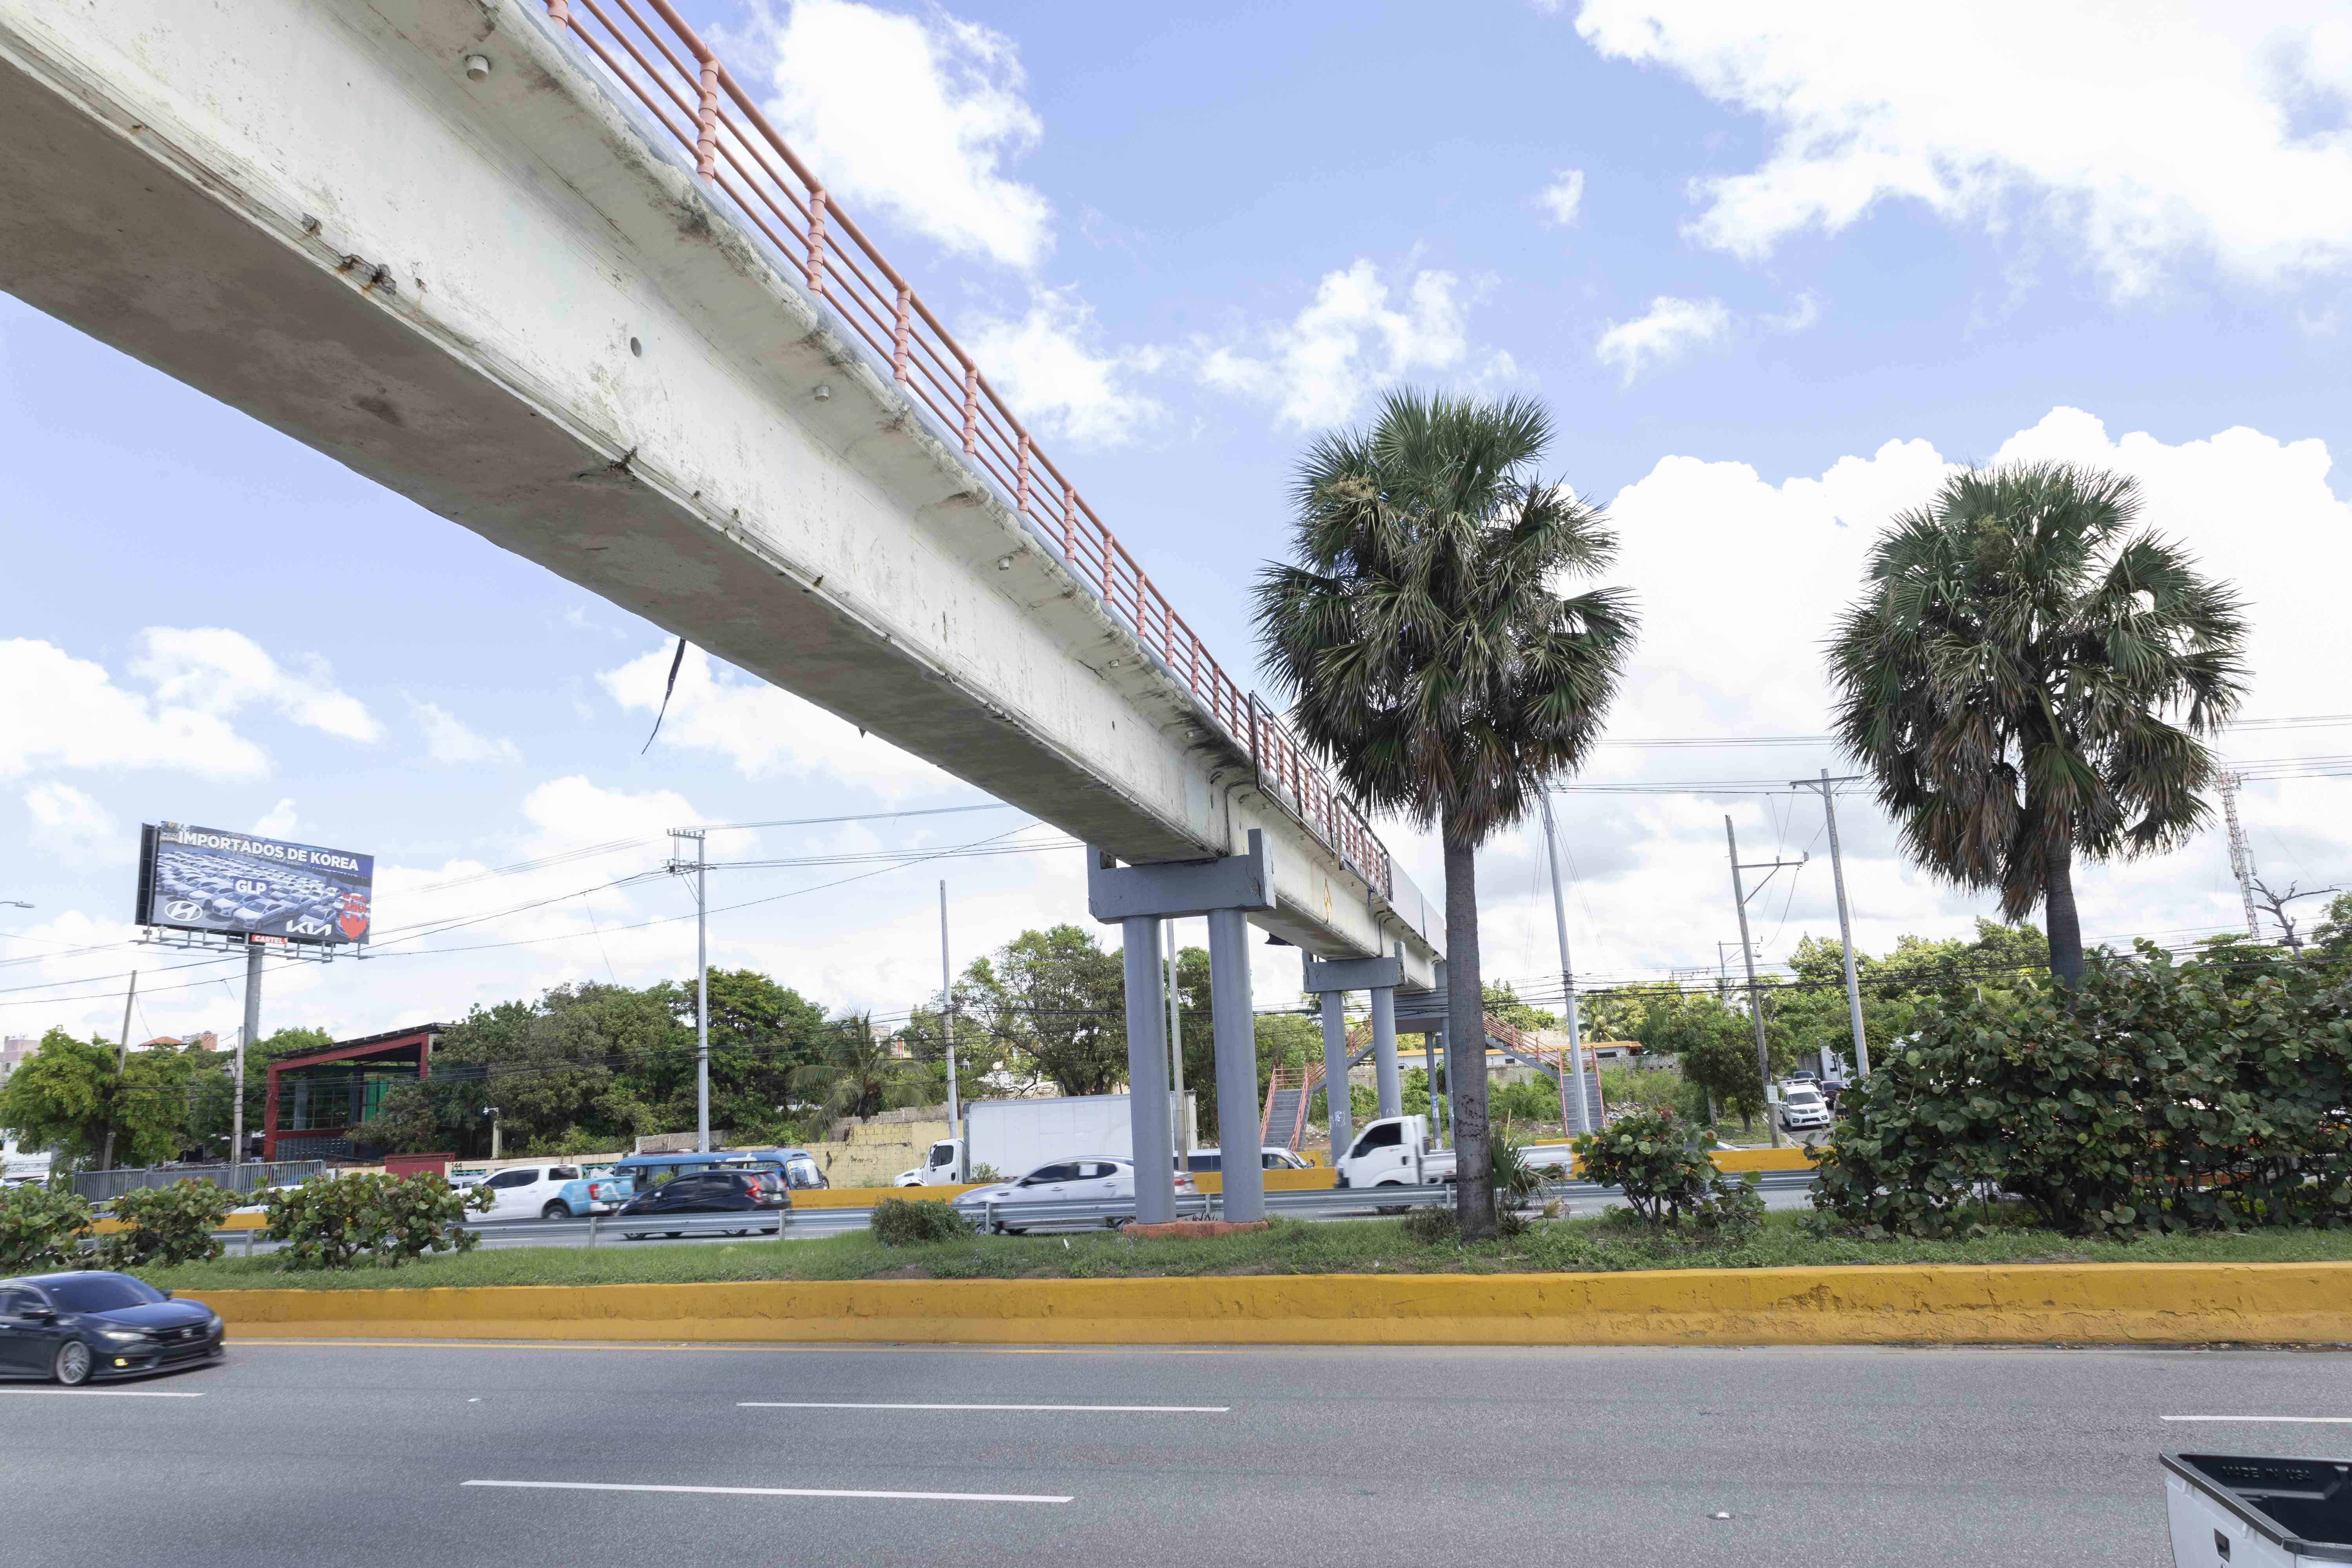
(1384, 1062)
(1235, 1023)
(1146, 1073)
(1336, 1108)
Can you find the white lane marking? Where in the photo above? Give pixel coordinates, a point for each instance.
(1132, 1409)
(2292, 1420)
(107, 1393)
(769, 1491)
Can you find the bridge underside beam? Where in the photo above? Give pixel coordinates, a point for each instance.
(503, 301)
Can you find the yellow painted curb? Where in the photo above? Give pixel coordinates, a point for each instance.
(233, 1222)
(2094, 1304)
(1733, 1161)
(867, 1198)
(1317, 1179)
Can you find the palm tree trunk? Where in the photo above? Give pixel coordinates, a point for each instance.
(2066, 925)
(1465, 1041)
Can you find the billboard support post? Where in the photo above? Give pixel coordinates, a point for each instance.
(701, 999)
(245, 1038)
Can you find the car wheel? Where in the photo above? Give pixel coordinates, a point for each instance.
(555, 1211)
(674, 1235)
(71, 1364)
(633, 1236)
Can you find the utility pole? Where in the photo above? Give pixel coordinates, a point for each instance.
(946, 1030)
(497, 1128)
(1183, 1127)
(2241, 852)
(1567, 973)
(1845, 921)
(122, 1061)
(1747, 951)
(1723, 971)
(245, 1038)
(700, 865)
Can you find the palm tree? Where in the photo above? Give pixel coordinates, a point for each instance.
(2027, 679)
(855, 1073)
(1429, 660)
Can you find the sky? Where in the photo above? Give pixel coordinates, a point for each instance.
(1776, 272)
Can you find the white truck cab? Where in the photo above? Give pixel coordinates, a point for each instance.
(1394, 1151)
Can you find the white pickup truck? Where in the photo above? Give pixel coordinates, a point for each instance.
(1394, 1151)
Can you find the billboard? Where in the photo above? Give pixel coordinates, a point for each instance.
(205, 878)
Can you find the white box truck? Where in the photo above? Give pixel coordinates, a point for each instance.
(1013, 1137)
(1396, 1151)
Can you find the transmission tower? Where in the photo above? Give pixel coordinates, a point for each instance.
(2241, 852)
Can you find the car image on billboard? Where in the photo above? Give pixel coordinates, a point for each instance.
(210, 879)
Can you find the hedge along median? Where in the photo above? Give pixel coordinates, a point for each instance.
(2092, 1303)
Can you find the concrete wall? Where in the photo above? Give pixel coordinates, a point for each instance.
(508, 302)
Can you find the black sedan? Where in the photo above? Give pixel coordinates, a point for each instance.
(706, 1200)
(75, 1327)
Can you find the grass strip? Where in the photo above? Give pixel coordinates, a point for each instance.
(1287, 1247)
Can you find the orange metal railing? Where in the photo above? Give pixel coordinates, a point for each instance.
(648, 49)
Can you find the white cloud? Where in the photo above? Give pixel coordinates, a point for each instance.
(1348, 342)
(2166, 128)
(765, 730)
(1671, 328)
(59, 710)
(1047, 363)
(919, 116)
(1805, 313)
(67, 821)
(215, 670)
(1564, 198)
(279, 822)
(448, 740)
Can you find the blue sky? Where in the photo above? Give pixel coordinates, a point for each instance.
(1770, 280)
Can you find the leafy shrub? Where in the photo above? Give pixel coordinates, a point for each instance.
(1660, 1162)
(40, 1227)
(1432, 1226)
(332, 1222)
(1650, 1153)
(905, 1222)
(2157, 1095)
(985, 1174)
(163, 1226)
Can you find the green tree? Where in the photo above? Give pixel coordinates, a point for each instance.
(1504, 1003)
(2028, 680)
(67, 1095)
(1059, 1000)
(857, 1073)
(1715, 1048)
(1429, 660)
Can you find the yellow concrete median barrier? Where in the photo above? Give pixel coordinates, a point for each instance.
(2094, 1304)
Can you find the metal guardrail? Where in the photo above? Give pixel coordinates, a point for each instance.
(97, 1186)
(682, 85)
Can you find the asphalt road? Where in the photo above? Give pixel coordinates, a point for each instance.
(320, 1455)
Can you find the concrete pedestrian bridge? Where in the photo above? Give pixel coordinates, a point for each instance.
(541, 267)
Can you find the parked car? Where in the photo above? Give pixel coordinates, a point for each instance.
(535, 1192)
(705, 1196)
(1098, 1179)
(1801, 1106)
(92, 1324)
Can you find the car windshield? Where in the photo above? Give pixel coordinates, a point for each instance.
(100, 1293)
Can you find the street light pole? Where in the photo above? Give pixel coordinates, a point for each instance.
(121, 1062)
(700, 866)
(1845, 921)
(946, 1030)
(1748, 952)
(1567, 973)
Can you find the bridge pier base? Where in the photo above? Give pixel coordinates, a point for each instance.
(1138, 897)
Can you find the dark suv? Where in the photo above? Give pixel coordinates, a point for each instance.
(703, 1197)
(75, 1327)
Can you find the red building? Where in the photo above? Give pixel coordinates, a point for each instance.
(315, 1102)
